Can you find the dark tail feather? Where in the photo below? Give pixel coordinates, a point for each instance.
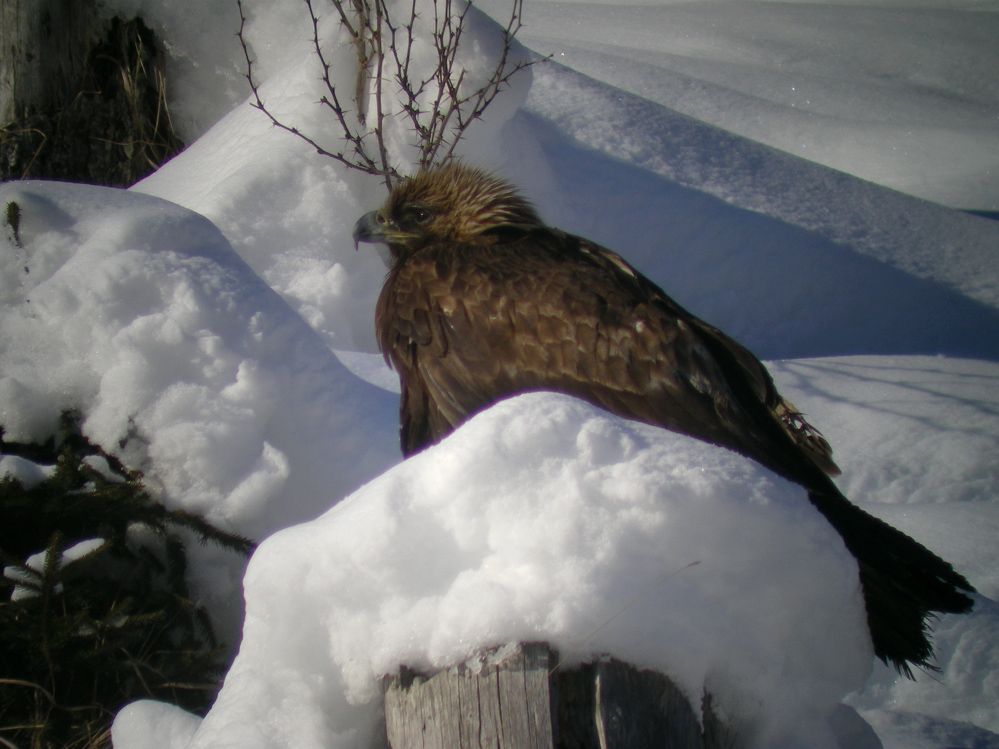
(904, 583)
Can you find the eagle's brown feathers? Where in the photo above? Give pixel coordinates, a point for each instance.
(483, 301)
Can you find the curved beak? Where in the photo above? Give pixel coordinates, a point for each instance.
(374, 227)
(369, 228)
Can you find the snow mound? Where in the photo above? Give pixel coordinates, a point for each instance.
(545, 518)
(137, 313)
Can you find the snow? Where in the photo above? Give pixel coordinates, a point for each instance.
(38, 562)
(155, 725)
(138, 312)
(896, 447)
(545, 518)
(902, 93)
(214, 326)
(24, 471)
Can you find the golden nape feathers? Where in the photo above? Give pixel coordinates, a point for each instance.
(455, 203)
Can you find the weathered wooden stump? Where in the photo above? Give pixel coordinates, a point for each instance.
(523, 702)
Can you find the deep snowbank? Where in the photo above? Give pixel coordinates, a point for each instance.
(545, 518)
(902, 94)
(137, 312)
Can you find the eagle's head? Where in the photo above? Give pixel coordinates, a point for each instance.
(451, 203)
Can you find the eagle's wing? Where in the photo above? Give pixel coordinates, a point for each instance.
(469, 325)
(543, 310)
(791, 420)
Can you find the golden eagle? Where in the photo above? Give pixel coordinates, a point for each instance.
(484, 301)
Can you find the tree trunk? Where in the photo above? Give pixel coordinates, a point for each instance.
(82, 97)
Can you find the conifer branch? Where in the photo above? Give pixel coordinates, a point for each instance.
(95, 629)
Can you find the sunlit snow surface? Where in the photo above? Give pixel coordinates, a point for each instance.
(195, 336)
(900, 93)
(543, 519)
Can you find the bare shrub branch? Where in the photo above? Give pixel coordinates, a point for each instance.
(437, 108)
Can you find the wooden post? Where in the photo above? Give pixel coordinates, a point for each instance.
(519, 703)
(43, 52)
(82, 97)
(501, 705)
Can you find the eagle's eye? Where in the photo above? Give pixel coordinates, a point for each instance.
(415, 216)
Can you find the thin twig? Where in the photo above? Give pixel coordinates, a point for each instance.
(385, 59)
(259, 104)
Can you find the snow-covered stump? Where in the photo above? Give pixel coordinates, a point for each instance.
(523, 702)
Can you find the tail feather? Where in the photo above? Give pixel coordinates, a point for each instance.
(904, 583)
